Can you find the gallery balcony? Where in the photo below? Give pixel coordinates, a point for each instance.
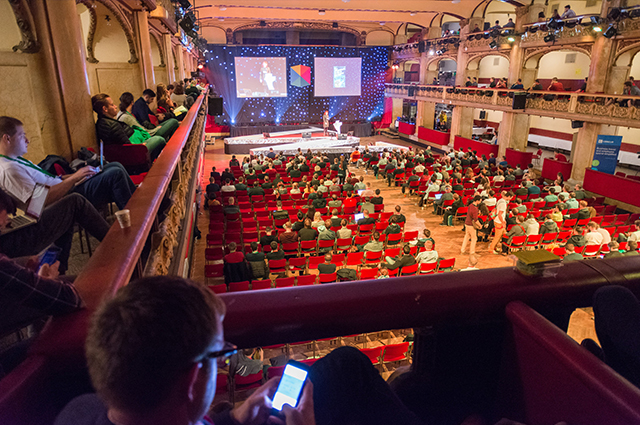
(599, 108)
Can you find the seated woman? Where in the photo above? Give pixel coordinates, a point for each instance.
(166, 105)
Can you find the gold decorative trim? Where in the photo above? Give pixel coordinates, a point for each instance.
(303, 26)
(24, 19)
(160, 50)
(91, 7)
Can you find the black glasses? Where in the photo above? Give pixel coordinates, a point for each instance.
(227, 351)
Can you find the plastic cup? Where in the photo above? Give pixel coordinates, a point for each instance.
(124, 218)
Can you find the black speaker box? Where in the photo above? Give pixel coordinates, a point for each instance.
(519, 101)
(483, 115)
(577, 124)
(422, 47)
(215, 106)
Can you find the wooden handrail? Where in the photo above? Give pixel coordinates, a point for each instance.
(115, 259)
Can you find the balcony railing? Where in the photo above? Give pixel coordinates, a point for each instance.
(600, 108)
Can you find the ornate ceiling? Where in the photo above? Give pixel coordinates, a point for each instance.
(362, 14)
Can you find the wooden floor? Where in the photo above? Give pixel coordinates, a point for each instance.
(448, 239)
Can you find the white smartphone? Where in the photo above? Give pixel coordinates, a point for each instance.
(290, 387)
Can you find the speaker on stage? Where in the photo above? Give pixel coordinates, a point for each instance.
(306, 135)
(266, 135)
(519, 101)
(215, 106)
(577, 124)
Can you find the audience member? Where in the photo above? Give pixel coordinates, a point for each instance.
(256, 260)
(327, 267)
(571, 255)
(403, 260)
(235, 266)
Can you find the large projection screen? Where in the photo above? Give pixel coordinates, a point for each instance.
(337, 76)
(261, 77)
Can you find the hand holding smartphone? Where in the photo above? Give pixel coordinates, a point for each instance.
(290, 387)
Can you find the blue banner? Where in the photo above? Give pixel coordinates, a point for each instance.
(605, 157)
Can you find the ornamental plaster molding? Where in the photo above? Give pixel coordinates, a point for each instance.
(302, 26)
(24, 19)
(534, 51)
(155, 36)
(93, 16)
(125, 24)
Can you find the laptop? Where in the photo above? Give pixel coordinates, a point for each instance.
(360, 192)
(357, 217)
(438, 196)
(33, 211)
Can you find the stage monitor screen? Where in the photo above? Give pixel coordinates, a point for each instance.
(337, 76)
(261, 77)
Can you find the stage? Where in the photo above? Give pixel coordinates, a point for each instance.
(288, 143)
(359, 130)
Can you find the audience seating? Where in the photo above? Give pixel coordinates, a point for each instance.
(327, 277)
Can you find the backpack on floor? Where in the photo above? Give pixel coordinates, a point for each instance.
(49, 164)
(345, 275)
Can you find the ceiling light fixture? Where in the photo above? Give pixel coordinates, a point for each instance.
(412, 13)
(223, 8)
(321, 12)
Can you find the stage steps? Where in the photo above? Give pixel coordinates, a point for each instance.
(390, 133)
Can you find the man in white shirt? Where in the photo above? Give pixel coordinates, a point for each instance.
(531, 225)
(429, 256)
(635, 234)
(499, 221)
(18, 176)
(419, 168)
(568, 13)
(593, 237)
(228, 187)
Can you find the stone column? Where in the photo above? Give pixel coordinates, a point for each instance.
(180, 61)
(461, 66)
(513, 132)
(435, 32)
(59, 29)
(426, 114)
(461, 123)
(396, 111)
(168, 49)
(144, 48)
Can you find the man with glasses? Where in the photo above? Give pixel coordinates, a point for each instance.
(153, 353)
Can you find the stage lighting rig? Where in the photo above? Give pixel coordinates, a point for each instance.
(493, 44)
(611, 32)
(549, 38)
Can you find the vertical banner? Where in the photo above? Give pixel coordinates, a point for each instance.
(605, 157)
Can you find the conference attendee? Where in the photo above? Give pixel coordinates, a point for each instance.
(178, 97)
(326, 234)
(632, 249)
(517, 85)
(549, 225)
(256, 260)
(593, 237)
(450, 211)
(568, 13)
(392, 229)
(256, 190)
(344, 232)
(228, 187)
(18, 176)
(288, 236)
(377, 200)
(446, 196)
(235, 266)
(366, 219)
(231, 208)
(327, 267)
(614, 250)
(555, 85)
(374, 245)
(577, 238)
(143, 114)
(307, 233)
(402, 260)
(532, 226)
(397, 216)
(124, 114)
(517, 230)
(470, 223)
(268, 237)
(429, 256)
(571, 254)
(325, 123)
(500, 220)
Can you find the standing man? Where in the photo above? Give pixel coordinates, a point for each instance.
(325, 123)
(500, 222)
(469, 229)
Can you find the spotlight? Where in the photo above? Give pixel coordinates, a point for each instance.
(533, 29)
(382, 24)
(634, 13)
(335, 25)
(413, 13)
(431, 52)
(493, 44)
(223, 8)
(263, 23)
(597, 29)
(610, 32)
(321, 12)
(549, 38)
(596, 20)
(200, 66)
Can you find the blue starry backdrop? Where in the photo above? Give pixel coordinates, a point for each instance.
(300, 105)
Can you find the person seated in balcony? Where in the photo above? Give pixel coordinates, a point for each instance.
(555, 85)
(122, 128)
(517, 85)
(496, 26)
(476, 28)
(555, 16)
(510, 24)
(492, 82)
(629, 89)
(402, 260)
(143, 114)
(571, 254)
(475, 82)
(501, 83)
(468, 83)
(18, 176)
(541, 17)
(568, 13)
(178, 97)
(537, 86)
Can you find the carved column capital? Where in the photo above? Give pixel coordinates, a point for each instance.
(29, 43)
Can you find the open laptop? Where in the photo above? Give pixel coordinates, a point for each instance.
(360, 192)
(438, 196)
(357, 217)
(33, 211)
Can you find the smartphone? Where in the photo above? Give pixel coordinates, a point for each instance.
(50, 256)
(290, 387)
